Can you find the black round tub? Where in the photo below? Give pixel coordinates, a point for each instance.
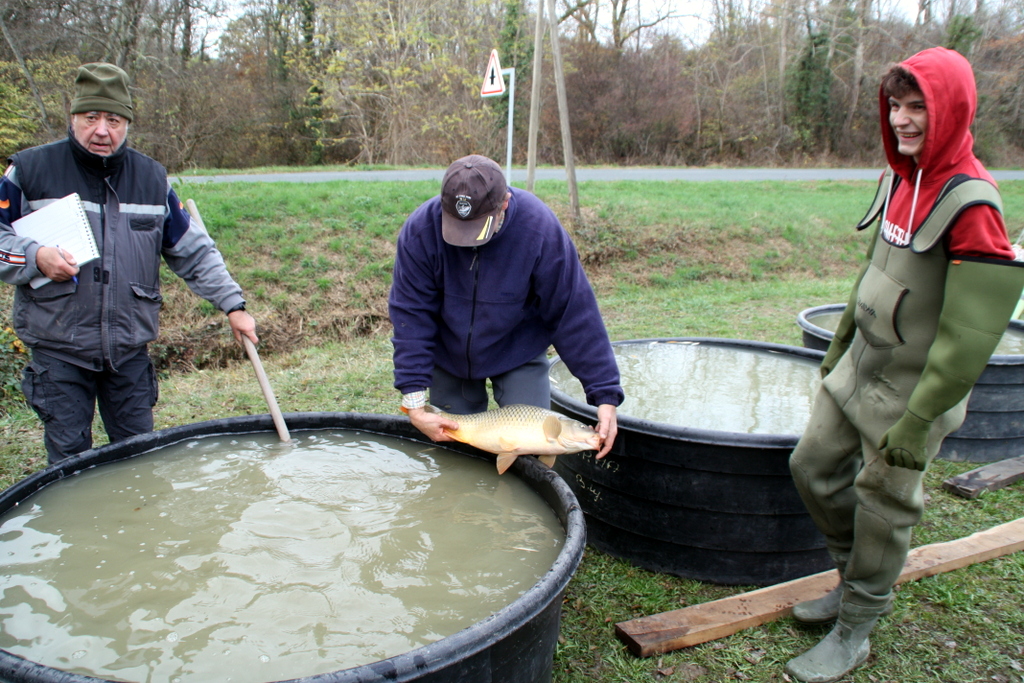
(818, 325)
(704, 504)
(994, 426)
(514, 644)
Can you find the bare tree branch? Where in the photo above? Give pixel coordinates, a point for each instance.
(28, 77)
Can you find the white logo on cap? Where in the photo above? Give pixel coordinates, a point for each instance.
(463, 206)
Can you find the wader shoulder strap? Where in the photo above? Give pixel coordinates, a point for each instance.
(879, 202)
(961, 192)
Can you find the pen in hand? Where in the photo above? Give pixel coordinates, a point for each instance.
(61, 252)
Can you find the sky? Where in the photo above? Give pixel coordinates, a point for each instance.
(694, 21)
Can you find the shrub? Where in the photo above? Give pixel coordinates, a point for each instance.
(13, 358)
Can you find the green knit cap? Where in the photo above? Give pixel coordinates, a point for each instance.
(102, 87)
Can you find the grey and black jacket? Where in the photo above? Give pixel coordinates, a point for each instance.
(113, 308)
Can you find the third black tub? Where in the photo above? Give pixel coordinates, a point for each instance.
(698, 482)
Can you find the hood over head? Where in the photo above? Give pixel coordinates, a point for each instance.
(951, 98)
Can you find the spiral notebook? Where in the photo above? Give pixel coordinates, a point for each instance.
(63, 224)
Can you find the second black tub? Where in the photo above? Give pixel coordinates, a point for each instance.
(698, 482)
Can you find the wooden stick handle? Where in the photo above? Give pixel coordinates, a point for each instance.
(193, 211)
(268, 393)
(250, 350)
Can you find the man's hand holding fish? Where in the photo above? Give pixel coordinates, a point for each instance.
(436, 426)
(607, 427)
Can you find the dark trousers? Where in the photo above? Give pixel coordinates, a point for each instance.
(528, 385)
(64, 397)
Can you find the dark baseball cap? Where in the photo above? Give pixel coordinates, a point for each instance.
(472, 194)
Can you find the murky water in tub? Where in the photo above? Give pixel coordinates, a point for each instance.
(707, 386)
(826, 321)
(1012, 343)
(242, 559)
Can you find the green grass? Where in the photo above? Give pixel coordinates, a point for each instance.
(287, 169)
(736, 260)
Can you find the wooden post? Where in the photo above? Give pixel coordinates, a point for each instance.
(563, 113)
(538, 64)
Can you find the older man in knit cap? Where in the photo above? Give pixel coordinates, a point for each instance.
(89, 325)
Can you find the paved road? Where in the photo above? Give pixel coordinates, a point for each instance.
(582, 174)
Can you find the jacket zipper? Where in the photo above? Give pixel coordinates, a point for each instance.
(474, 268)
(106, 315)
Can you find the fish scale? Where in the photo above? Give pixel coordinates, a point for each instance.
(509, 416)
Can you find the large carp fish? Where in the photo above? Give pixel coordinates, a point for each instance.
(517, 430)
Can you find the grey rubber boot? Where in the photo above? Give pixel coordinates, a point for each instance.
(845, 648)
(826, 608)
(822, 610)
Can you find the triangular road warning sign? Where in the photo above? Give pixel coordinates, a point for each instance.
(494, 82)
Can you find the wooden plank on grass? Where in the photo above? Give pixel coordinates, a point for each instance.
(697, 624)
(988, 478)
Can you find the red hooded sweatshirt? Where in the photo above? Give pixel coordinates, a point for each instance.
(950, 96)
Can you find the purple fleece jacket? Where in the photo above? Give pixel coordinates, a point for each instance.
(480, 311)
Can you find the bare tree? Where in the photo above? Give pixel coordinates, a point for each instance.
(585, 15)
(924, 13)
(859, 34)
(624, 26)
(627, 19)
(43, 116)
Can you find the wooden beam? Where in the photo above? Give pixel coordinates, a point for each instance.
(988, 478)
(697, 624)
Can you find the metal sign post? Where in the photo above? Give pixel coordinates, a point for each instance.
(494, 86)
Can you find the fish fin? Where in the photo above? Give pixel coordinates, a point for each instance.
(552, 426)
(505, 461)
(455, 434)
(404, 410)
(548, 460)
(506, 445)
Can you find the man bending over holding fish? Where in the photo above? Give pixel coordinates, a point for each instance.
(485, 280)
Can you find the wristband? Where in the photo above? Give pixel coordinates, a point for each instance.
(239, 307)
(414, 400)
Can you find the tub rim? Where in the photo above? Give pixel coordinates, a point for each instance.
(693, 434)
(802, 319)
(412, 665)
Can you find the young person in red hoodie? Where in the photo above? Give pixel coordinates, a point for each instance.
(927, 311)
